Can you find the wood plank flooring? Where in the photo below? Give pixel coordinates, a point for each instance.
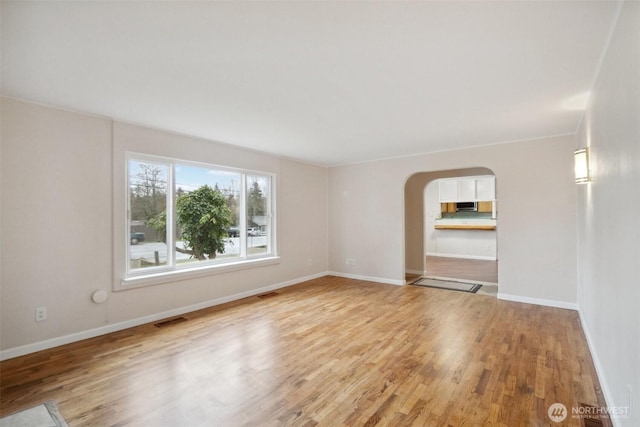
(329, 352)
(461, 268)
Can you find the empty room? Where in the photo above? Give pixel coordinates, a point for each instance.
(331, 213)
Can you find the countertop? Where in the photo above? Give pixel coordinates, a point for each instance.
(465, 224)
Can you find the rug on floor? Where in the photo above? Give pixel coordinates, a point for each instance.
(44, 415)
(449, 285)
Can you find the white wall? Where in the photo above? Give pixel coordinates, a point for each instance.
(57, 226)
(608, 219)
(56, 221)
(537, 233)
(432, 210)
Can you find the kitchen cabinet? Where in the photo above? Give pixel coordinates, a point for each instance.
(485, 188)
(448, 190)
(485, 206)
(466, 190)
(449, 207)
(471, 189)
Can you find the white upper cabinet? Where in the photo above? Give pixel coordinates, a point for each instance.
(466, 190)
(485, 188)
(448, 190)
(472, 189)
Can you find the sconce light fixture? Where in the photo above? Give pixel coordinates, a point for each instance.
(581, 164)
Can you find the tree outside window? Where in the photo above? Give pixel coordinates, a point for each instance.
(199, 220)
(258, 214)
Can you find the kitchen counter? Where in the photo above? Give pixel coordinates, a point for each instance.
(464, 227)
(465, 224)
(462, 235)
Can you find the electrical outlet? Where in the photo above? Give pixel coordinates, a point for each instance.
(309, 261)
(41, 314)
(350, 261)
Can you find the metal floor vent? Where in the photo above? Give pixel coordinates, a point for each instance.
(591, 415)
(269, 295)
(170, 322)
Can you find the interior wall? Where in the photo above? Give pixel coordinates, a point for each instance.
(537, 238)
(609, 232)
(57, 224)
(431, 207)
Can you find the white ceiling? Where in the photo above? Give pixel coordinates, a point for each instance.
(325, 82)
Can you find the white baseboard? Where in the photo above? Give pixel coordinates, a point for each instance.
(599, 371)
(538, 301)
(91, 333)
(485, 258)
(368, 278)
(418, 272)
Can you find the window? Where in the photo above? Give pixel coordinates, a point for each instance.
(184, 215)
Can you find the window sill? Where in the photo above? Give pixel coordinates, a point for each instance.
(178, 275)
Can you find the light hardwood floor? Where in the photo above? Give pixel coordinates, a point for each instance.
(478, 271)
(330, 352)
(461, 268)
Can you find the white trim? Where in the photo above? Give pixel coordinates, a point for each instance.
(464, 147)
(485, 258)
(167, 276)
(420, 272)
(539, 301)
(91, 333)
(368, 278)
(596, 362)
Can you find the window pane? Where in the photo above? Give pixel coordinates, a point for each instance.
(207, 213)
(258, 223)
(183, 214)
(147, 214)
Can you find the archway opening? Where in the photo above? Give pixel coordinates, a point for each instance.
(462, 251)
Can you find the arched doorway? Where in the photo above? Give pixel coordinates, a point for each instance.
(445, 253)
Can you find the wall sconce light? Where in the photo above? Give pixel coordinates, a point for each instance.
(581, 164)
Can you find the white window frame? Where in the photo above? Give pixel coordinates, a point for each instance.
(171, 272)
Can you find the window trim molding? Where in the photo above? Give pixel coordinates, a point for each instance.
(171, 276)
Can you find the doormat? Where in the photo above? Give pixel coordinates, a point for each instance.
(449, 285)
(45, 415)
